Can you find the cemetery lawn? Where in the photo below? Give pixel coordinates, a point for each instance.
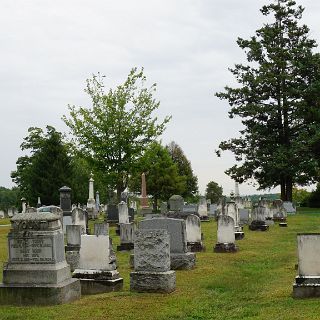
(255, 283)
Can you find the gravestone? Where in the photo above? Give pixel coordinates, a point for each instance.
(232, 211)
(101, 229)
(126, 237)
(97, 268)
(259, 221)
(289, 208)
(37, 272)
(193, 229)
(65, 205)
(190, 208)
(176, 203)
(113, 213)
(179, 255)
(203, 209)
(152, 262)
(164, 208)
(244, 215)
(212, 210)
(73, 233)
(225, 235)
(2, 214)
(91, 203)
(307, 283)
(131, 214)
(78, 217)
(123, 212)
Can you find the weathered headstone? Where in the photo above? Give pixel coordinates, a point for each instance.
(193, 229)
(97, 269)
(289, 208)
(73, 233)
(190, 208)
(113, 213)
(126, 236)
(91, 203)
(244, 215)
(180, 257)
(212, 210)
(152, 262)
(37, 272)
(203, 209)
(259, 221)
(123, 212)
(164, 207)
(78, 217)
(65, 205)
(233, 212)
(101, 229)
(176, 203)
(225, 235)
(307, 283)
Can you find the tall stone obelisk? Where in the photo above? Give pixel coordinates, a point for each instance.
(144, 198)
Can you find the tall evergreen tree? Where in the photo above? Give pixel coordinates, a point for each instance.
(184, 168)
(278, 100)
(47, 168)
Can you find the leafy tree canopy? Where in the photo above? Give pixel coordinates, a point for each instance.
(115, 130)
(213, 192)
(277, 98)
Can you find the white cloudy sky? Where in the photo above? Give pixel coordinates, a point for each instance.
(48, 49)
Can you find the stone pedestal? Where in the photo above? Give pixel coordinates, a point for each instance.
(126, 237)
(225, 247)
(37, 272)
(152, 262)
(97, 265)
(182, 261)
(239, 235)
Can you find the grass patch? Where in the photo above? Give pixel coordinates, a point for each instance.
(254, 283)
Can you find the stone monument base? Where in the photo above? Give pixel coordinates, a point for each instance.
(153, 281)
(283, 224)
(239, 235)
(125, 247)
(195, 246)
(279, 219)
(146, 210)
(182, 261)
(98, 281)
(204, 219)
(46, 294)
(225, 247)
(72, 258)
(306, 287)
(258, 226)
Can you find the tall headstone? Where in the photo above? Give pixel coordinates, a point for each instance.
(112, 213)
(179, 255)
(307, 283)
(203, 209)
(152, 262)
(233, 212)
(78, 217)
(37, 272)
(73, 233)
(123, 212)
(97, 269)
(97, 201)
(144, 198)
(65, 205)
(193, 230)
(225, 235)
(24, 204)
(91, 203)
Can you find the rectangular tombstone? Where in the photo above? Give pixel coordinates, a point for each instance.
(152, 250)
(101, 229)
(309, 254)
(126, 232)
(288, 206)
(212, 209)
(94, 252)
(113, 213)
(131, 214)
(164, 207)
(74, 236)
(176, 229)
(226, 229)
(192, 208)
(244, 216)
(78, 217)
(123, 212)
(193, 228)
(176, 203)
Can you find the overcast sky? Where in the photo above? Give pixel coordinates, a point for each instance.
(49, 48)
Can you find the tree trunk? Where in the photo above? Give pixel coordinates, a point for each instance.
(283, 189)
(289, 189)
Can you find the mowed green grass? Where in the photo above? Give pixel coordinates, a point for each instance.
(254, 283)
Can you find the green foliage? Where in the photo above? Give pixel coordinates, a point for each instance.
(314, 198)
(300, 196)
(184, 168)
(278, 100)
(47, 169)
(9, 198)
(113, 133)
(213, 192)
(162, 176)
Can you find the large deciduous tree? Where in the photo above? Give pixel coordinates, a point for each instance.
(162, 175)
(47, 169)
(278, 100)
(185, 169)
(119, 125)
(213, 192)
